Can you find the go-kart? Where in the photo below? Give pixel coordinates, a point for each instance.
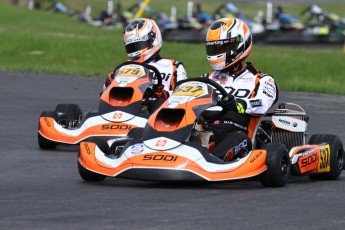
(122, 109)
(175, 147)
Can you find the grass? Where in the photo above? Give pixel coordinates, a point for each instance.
(41, 41)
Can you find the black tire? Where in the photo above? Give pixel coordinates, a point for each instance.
(45, 143)
(278, 166)
(88, 175)
(337, 155)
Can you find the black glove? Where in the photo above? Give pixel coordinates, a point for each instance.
(229, 103)
(160, 92)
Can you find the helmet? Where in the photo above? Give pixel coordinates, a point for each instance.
(228, 41)
(142, 39)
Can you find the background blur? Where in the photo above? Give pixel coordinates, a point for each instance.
(300, 43)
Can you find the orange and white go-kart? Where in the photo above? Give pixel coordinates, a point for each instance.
(121, 110)
(175, 147)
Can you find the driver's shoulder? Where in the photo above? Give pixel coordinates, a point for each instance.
(166, 62)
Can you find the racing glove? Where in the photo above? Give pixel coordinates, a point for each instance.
(229, 103)
(233, 104)
(159, 91)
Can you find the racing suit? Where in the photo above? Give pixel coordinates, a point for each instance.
(255, 93)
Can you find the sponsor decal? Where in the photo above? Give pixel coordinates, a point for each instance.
(117, 116)
(160, 157)
(177, 100)
(129, 72)
(228, 122)
(308, 161)
(116, 127)
(247, 79)
(256, 157)
(242, 145)
(270, 90)
(324, 160)
(271, 80)
(87, 148)
(270, 84)
(221, 79)
(165, 76)
(221, 42)
(161, 143)
(47, 121)
(189, 90)
(134, 39)
(137, 149)
(284, 122)
(255, 103)
(241, 93)
(267, 94)
(306, 153)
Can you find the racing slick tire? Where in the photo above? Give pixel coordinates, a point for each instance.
(278, 166)
(337, 155)
(88, 175)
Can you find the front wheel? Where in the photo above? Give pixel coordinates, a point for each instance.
(45, 143)
(278, 166)
(337, 156)
(88, 175)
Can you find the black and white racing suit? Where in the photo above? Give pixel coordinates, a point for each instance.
(255, 93)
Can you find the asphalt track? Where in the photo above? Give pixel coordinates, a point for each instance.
(42, 189)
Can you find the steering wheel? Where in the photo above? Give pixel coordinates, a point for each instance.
(210, 115)
(150, 67)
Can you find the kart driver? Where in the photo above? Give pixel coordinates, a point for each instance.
(143, 42)
(251, 93)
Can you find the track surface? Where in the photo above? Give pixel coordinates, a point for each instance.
(42, 189)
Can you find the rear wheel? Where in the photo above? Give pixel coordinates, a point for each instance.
(337, 155)
(88, 175)
(278, 166)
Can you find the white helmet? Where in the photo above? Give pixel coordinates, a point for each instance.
(142, 39)
(228, 41)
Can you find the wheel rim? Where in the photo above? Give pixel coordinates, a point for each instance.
(284, 165)
(340, 159)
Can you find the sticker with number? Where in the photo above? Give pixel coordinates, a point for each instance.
(190, 90)
(129, 72)
(324, 159)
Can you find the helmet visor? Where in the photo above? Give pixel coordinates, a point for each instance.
(136, 46)
(221, 46)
